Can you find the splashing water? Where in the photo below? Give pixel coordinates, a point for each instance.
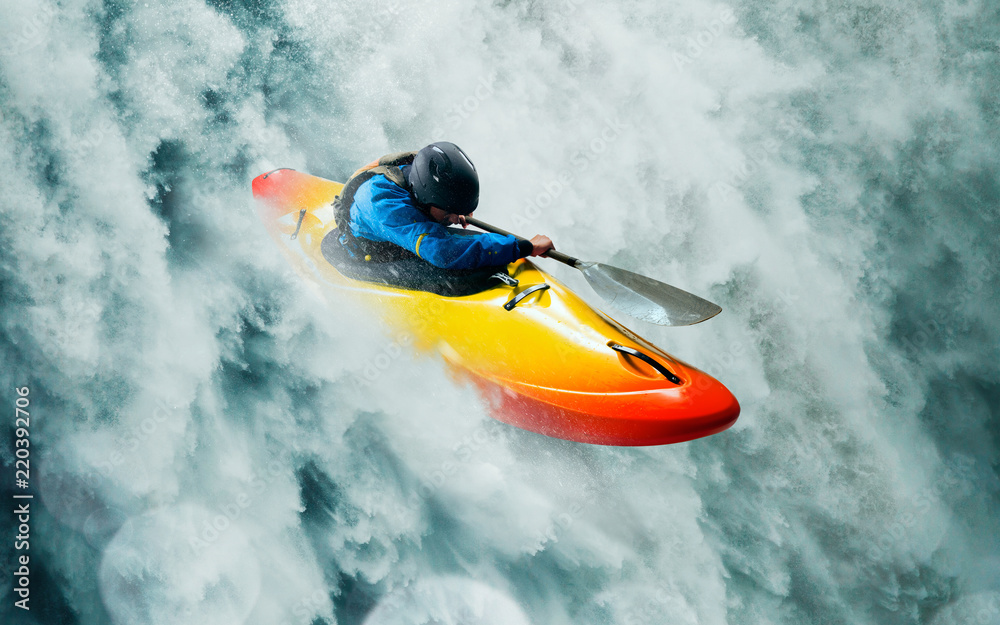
(212, 443)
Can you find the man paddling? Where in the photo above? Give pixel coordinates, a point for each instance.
(399, 207)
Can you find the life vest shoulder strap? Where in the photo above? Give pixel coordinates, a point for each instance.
(386, 166)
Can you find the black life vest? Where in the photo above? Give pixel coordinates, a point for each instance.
(360, 247)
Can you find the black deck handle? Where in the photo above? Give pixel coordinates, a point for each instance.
(667, 373)
(523, 294)
(298, 226)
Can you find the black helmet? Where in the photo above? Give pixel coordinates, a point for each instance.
(443, 176)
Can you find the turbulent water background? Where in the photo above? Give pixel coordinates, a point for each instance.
(211, 443)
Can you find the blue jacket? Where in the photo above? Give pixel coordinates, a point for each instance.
(382, 211)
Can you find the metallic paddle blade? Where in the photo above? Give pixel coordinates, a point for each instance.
(647, 299)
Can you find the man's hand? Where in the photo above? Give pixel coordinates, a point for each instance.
(457, 220)
(445, 218)
(541, 244)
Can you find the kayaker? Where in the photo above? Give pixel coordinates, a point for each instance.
(398, 208)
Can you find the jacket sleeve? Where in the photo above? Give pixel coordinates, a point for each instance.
(442, 248)
(390, 215)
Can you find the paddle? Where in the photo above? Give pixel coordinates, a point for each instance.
(635, 295)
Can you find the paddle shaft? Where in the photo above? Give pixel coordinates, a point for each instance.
(553, 254)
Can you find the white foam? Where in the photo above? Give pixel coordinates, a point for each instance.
(188, 367)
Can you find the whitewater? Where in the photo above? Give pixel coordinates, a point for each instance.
(213, 443)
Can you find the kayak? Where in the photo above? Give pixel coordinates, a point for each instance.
(543, 359)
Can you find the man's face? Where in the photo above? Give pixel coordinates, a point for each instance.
(443, 217)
